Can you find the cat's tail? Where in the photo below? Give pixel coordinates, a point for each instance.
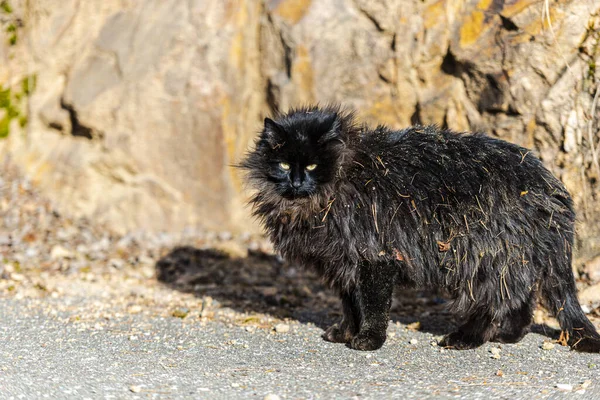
(559, 295)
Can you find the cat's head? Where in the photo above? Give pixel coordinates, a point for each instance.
(298, 154)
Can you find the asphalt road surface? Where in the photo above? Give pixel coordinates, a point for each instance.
(45, 353)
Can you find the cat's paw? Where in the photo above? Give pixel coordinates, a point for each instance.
(337, 334)
(458, 340)
(367, 341)
(509, 337)
(587, 345)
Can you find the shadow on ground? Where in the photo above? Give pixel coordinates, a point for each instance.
(262, 283)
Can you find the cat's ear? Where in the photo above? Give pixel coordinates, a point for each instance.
(272, 133)
(333, 131)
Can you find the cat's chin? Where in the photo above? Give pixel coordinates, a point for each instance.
(296, 196)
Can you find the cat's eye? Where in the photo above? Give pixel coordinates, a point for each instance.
(284, 166)
(311, 167)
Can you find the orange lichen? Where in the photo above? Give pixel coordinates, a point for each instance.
(471, 30)
(293, 10)
(434, 14)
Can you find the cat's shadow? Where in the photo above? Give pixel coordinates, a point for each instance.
(262, 283)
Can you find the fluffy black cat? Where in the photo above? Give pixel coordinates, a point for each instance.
(370, 209)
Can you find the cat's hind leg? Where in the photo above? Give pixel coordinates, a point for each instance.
(480, 327)
(515, 324)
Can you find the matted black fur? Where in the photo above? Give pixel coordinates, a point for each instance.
(373, 208)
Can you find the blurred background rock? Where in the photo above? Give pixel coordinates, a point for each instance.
(130, 112)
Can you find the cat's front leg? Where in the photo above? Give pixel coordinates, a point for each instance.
(345, 330)
(374, 298)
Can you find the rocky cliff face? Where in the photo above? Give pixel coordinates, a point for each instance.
(131, 112)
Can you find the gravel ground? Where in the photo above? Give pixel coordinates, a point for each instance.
(86, 313)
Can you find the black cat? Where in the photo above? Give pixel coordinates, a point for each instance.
(423, 207)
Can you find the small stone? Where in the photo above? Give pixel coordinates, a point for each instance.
(223, 236)
(547, 346)
(116, 263)
(147, 272)
(207, 301)
(58, 252)
(499, 373)
(181, 312)
(133, 338)
(586, 384)
(17, 277)
(564, 386)
(135, 388)
(586, 309)
(269, 291)
(414, 341)
(271, 396)
(415, 326)
(31, 252)
(495, 353)
(235, 384)
(134, 309)
(282, 328)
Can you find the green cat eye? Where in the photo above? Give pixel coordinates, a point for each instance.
(284, 166)
(311, 167)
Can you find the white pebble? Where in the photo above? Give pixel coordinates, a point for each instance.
(495, 353)
(271, 396)
(564, 386)
(547, 346)
(586, 309)
(57, 252)
(135, 389)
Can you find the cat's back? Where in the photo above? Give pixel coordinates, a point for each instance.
(427, 161)
(444, 153)
(436, 144)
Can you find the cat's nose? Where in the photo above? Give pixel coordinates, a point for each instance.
(296, 183)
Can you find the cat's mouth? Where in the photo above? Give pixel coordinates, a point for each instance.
(295, 194)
